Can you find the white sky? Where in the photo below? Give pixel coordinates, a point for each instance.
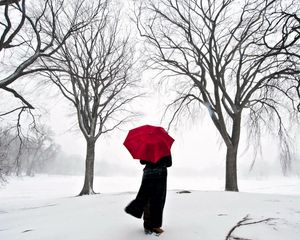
(196, 149)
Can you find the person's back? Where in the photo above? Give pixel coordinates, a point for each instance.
(151, 197)
(164, 162)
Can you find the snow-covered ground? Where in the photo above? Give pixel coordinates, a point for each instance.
(46, 208)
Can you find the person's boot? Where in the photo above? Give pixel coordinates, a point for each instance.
(147, 231)
(157, 231)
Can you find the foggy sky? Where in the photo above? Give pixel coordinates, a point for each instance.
(197, 148)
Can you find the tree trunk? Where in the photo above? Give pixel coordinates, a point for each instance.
(231, 155)
(231, 169)
(30, 169)
(89, 169)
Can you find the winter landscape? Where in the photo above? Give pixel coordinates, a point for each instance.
(45, 207)
(208, 89)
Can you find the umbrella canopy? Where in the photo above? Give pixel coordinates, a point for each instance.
(149, 143)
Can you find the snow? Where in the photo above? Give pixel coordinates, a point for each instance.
(46, 208)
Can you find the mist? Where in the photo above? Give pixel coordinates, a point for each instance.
(197, 150)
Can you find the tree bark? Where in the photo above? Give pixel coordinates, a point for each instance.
(231, 170)
(89, 169)
(231, 183)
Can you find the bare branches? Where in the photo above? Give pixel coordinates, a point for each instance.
(32, 34)
(8, 33)
(17, 95)
(246, 221)
(36, 33)
(22, 30)
(287, 40)
(25, 154)
(218, 51)
(95, 71)
(8, 2)
(211, 57)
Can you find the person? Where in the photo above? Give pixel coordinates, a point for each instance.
(151, 197)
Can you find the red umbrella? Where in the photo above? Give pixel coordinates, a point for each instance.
(149, 143)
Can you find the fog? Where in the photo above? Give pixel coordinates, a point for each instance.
(197, 150)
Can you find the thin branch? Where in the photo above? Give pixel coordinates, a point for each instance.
(245, 222)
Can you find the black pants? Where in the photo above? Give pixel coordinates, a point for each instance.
(151, 197)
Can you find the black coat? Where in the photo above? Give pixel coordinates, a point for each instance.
(161, 163)
(151, 196)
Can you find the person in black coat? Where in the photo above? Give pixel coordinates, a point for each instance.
(151, 197)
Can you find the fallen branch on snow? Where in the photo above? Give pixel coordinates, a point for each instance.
(244, 222)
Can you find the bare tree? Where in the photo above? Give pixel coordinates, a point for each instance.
(27, 34)
(5, 166)
(38, 149)
(94, 71)
(214, 53)
(13, 18)
(287, 19)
